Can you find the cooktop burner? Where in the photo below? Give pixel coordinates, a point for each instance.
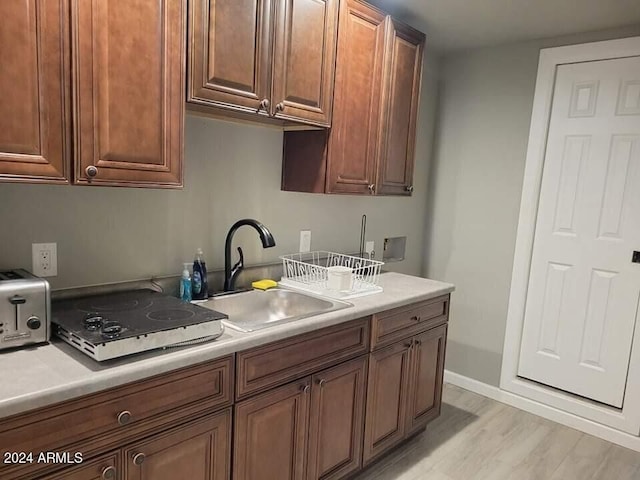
(135, 314)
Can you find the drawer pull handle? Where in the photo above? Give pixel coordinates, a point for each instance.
(418, 342)
(409, 345)
(124, 417)
(109, 473)
(138, 459)
(415, 318)
(280, 107)
(305, 388)
(321, 382)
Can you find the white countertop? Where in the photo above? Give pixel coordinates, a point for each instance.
(39, 376)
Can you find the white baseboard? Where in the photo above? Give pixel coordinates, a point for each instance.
(545, 411)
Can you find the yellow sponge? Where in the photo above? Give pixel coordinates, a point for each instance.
(264, 284)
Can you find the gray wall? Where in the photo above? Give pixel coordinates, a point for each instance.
(233, 171)
(486, 97)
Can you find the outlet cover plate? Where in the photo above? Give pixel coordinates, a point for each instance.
(305, 241)
(370, 247)
(44, 259)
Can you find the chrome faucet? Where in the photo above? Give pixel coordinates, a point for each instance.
(231, 273)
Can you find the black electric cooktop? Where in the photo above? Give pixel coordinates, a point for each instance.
(116, 316)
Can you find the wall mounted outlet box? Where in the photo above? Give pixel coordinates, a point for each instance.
(305, 241)
(44, 259)
(394, 249)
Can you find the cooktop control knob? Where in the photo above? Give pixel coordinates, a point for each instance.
(34, 323)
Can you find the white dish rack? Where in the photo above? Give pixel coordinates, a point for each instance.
(309, 272)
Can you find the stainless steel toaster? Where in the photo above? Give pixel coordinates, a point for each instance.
(25, 309)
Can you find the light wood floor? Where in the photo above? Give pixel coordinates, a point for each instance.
(477, 438)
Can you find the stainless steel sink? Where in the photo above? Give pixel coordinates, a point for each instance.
(257, 309)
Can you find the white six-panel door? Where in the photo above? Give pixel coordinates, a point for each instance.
(583, 293)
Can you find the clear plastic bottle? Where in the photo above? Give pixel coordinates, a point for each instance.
(185, 284)
(200, 286)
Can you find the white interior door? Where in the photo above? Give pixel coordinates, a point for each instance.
(583, 293)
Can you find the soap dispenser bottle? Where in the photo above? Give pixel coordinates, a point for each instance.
(185, 285)
(200, 287)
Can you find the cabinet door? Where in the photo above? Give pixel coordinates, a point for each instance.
(353, 144)
(385, 421)
(34, 81)
(336, 420)
(271, 434)
(128, 60)
(102, 468)
(304, 60)
(230, 54)
(197, 451)
(400, 109)
(425, 381)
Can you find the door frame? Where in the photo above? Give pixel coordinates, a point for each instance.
(626, 419)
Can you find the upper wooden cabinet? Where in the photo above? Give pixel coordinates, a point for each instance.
(230, 43)
(120, 82)
(304, 60)
(128, 66)
(353, 142)
(400, 109)
(370, 149)
(266, 59)
(34, 81)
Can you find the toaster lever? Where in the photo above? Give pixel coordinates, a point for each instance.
(17, 300)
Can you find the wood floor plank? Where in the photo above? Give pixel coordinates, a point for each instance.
(619, 464)
(583, 459)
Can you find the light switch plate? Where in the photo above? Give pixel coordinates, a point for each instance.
(305, 241)
(44, 259)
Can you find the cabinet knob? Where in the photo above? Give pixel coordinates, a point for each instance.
(264, 105)
(321, 382)
(418, 342)
(409, 344)
(415, 318)
(280, 107)
(305, 388)
(372, 188)
(124, 417)
(109, 473)
(91, 171)
(138, 459)
(409, 188)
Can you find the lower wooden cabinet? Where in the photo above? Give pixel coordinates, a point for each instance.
(271, 434)
(404, 390)
(199, 451)
(327, 425)
(386, 398)
(310, 429)
(337, 421)
(425, 385)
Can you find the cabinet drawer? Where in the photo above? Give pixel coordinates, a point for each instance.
(280, 362)
(98, 421)
(393, 325)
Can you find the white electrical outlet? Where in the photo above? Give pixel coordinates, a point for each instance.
(369, 247)
(45, 259)
(305, 241)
